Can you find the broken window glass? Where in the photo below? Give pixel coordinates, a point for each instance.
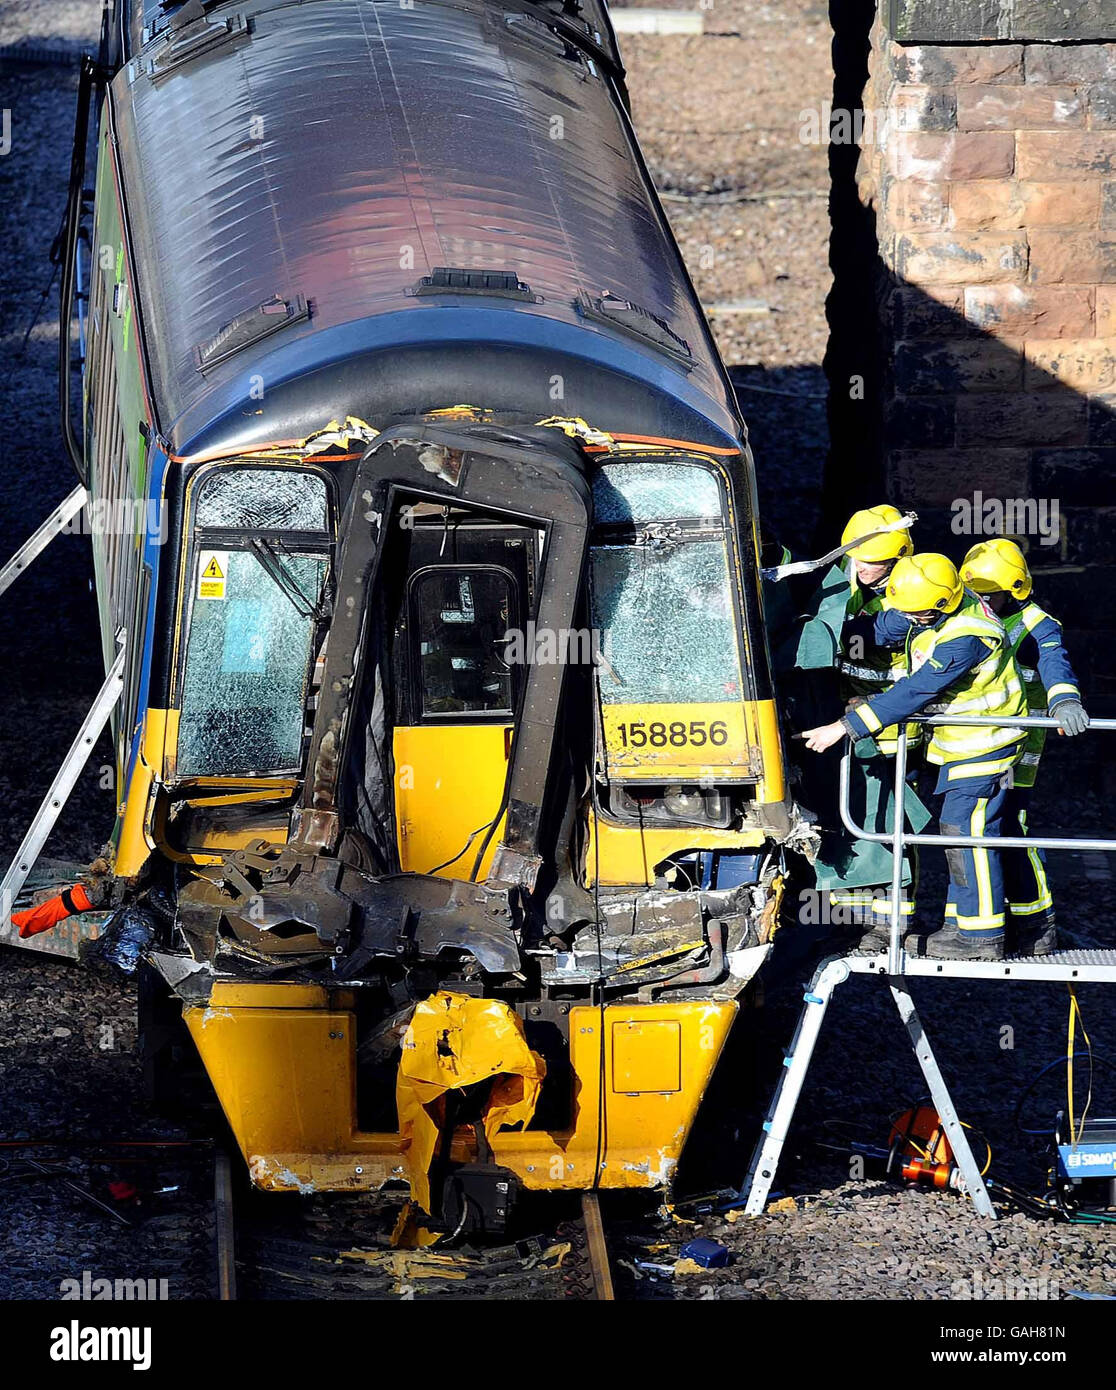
(462, 621)
(668, 630)
(645, 490)
(247, 665)
(262, 499)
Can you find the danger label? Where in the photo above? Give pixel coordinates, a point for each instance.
(213, 570)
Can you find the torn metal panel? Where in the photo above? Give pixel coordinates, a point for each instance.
(454, 1042)
(483, 468)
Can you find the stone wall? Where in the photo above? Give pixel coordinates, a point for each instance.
(969, 21)
(986, 193)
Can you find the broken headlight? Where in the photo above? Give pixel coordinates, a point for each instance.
(670, 805)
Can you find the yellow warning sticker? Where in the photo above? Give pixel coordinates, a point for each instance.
(213, 571)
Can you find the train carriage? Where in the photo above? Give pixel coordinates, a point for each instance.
(453, 812)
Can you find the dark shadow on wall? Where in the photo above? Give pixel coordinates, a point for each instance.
(853, 351)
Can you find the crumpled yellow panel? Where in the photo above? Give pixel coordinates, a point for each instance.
(577, 428)
(455, 1041)
(478, 413)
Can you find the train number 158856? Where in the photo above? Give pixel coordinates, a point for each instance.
(679, 734)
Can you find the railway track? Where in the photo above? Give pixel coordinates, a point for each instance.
(339, 1247)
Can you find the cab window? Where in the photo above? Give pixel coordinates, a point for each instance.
(661, 586)
(460, 621)
(665, 615)
(257, 575)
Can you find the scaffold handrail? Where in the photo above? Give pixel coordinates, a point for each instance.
(898, 837)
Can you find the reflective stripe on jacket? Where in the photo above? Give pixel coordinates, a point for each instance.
(993, 686)
(962, 665)
(1036, 643)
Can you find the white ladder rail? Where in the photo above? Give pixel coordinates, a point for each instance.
(64, 782)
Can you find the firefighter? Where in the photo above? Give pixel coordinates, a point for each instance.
(997, 570)
(959, 661)
(866, 669)
(856, 874)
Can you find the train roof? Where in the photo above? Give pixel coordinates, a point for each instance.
(332, 157)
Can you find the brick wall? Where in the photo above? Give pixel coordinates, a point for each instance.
(987, 175)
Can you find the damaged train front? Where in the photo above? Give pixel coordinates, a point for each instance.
(488, 930)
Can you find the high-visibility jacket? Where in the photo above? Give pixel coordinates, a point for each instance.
(873, 669)
(983, 680)
(1048, 677)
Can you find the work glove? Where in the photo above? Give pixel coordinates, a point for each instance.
(1071, 717)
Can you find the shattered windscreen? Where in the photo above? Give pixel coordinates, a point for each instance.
(643, 490)
(247, 664)
(253, 603)
(668, 632)
(262, 499)
(661, 586)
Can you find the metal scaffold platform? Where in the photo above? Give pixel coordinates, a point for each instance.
(897, 967)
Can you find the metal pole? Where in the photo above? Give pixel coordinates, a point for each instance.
(226, 1228)
(883, 837)
(894, 945)
(1021, 721)
(60, 790)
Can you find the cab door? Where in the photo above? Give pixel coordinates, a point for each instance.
(452, 740)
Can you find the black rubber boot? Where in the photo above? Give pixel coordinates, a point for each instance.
(1035, 937)
(947, 943)
(876, 940)
(867, 938)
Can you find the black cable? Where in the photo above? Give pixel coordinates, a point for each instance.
(599, 730)
(68, 237)
(38, 312)
(492, 824)
(1033, 1206)
(438, 867)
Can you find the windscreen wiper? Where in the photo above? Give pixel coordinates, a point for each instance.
(267, 553)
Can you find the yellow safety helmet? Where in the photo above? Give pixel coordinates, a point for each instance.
(889, 546)
(997, 566)
(924, 583)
